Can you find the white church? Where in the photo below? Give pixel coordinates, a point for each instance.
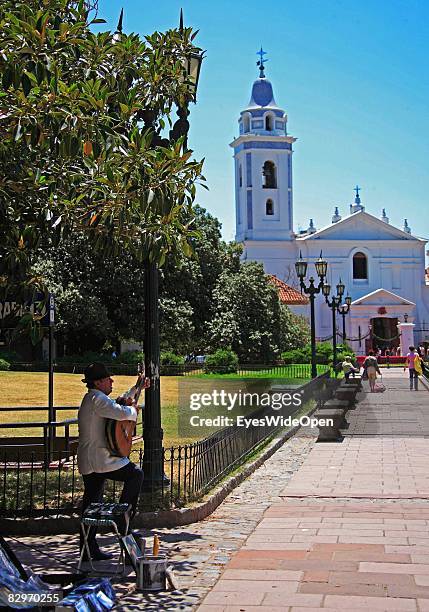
(382, 267)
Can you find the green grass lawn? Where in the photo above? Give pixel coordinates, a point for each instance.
(31, 389)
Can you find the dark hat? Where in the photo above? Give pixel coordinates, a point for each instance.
(95, 371)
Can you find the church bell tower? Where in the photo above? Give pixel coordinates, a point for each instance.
(263, 167)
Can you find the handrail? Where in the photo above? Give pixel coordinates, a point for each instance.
(38, 424)
(33, 408)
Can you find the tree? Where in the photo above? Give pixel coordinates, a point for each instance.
(84, 280)
(295, 330)
(192, 280)
(99, 299)
(80, 147)
(248, 315)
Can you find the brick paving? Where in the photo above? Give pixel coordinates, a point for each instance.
(351, 528)
(198, 552)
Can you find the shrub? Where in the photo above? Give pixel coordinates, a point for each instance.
(130, 357)
(171, 364)
(324, 354)
(223, 361)
(10, 356)
(4, 365)
(295, 356)
(170, 358)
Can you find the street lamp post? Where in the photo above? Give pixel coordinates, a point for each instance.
(344, 310)
(312, 290)
(334, 304)
(153, 464)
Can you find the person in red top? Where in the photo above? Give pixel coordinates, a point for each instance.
(411, 363)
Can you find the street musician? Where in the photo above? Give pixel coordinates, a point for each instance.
(96, 463)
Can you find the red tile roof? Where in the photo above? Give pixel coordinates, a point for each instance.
(287, 294)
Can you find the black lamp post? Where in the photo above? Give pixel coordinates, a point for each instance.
(344, 310)
(153, 464)
(333, 304)
(312, 290)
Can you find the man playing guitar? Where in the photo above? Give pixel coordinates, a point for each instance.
(96, 464)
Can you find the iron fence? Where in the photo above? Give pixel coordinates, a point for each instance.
(30, 487)
(296, 370)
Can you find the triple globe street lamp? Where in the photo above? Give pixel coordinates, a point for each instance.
(312, 290)
(334, 303)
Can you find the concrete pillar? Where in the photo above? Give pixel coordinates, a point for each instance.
(407, 336)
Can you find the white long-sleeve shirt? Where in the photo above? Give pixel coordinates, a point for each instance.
(93, 454)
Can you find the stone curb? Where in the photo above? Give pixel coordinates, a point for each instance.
(162, 518)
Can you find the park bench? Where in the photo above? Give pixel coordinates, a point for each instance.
(355, 380)
(332, 432)
(348, 394)
(335, 404)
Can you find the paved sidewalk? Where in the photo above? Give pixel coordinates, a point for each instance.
(198, 552)
(351, 531)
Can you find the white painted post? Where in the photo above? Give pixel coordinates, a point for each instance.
(407, 336)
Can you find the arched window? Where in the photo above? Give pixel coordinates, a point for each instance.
(269, 207)
(268, 123)
(270, 175)
(360, 266)
(240, 176)
(246, 123)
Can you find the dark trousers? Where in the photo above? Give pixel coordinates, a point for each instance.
(130, 475)
(414, 378)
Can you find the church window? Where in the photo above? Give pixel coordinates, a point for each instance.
(360, 266)
(240, 176)
(269, 174)
(268, 123)
(269, 207)
(246, 123)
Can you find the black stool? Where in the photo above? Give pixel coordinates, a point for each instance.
(104, 515)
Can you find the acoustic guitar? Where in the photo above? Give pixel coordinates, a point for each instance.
(119, 434)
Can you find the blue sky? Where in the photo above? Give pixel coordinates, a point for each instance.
(352, 77)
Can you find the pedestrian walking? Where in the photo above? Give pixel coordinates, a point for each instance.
(414, 367)
(372, 368)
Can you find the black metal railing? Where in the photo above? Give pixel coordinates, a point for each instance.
(298, 371)
(31, 487)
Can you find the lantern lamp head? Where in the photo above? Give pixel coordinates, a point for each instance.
(301, 267)
(340, 288)
(326, 290)
(321, 267)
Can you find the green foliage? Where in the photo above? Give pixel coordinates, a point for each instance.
(295, 356)
(80, 145)
(176, 326)
(9, 356)
(85, 358)
(101, 299)
(222, 361)
(130, 357)
(295, 330)
(169, 358)
(187, 285)
(4, 365)
(324, 354)
(248, 315)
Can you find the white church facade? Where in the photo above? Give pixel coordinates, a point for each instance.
(382, 267)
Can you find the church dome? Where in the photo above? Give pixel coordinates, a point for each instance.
(262, 93)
